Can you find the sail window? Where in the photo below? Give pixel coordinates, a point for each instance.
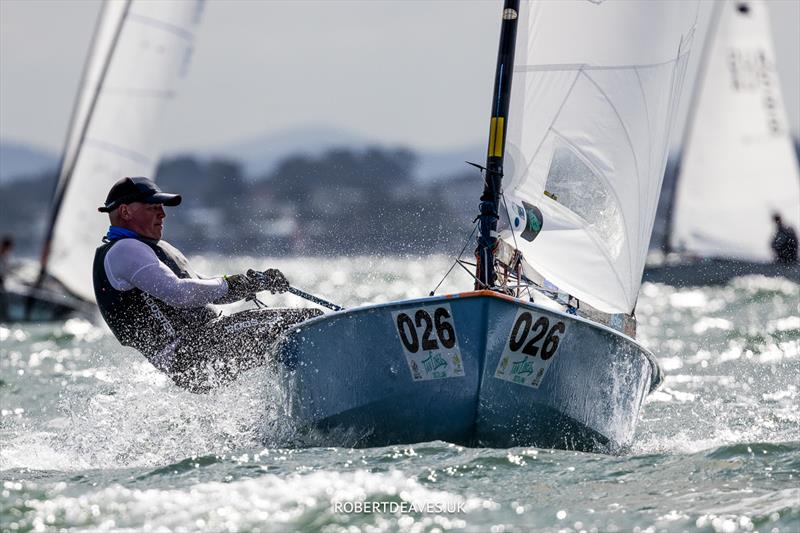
(575, 186)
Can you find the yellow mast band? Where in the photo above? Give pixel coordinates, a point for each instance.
(496, 137)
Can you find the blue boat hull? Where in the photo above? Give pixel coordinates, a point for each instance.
(477, 369)
(704, 272)
(25, 304)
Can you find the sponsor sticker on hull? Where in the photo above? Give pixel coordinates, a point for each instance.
(530, 347)
(428, 337)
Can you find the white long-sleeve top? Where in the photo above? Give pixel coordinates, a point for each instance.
(131, 263)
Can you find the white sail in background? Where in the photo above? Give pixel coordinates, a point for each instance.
(595, 90)
(739, 165)
(141, 51)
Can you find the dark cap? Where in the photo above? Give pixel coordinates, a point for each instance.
(129, 190)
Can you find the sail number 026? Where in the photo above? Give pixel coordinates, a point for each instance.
(535, 338)
(440, 323)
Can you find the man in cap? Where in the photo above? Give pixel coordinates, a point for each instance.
(784, 242)
(153, 301)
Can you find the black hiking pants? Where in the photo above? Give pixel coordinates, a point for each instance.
(217, 352)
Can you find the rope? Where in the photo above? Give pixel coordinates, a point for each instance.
(469, 238)
(468, 271)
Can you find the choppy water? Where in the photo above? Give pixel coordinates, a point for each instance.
(93, 438)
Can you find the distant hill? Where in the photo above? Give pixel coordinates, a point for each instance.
(259, 155)
(20, 161)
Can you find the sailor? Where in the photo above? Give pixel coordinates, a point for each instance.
(5, 253)
(153, 301)
(784, 242)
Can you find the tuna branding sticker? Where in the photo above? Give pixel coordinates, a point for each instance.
(428, 337)
(527, 220)
(529, 349)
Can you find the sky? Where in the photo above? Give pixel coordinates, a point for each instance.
(414, 72)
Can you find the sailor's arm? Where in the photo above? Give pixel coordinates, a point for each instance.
(131, 263)
(159, 281)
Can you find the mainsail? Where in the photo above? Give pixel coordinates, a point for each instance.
(141, 51)
(738, 166)
(595, 90)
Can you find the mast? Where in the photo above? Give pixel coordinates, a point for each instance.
(66, 173)
(716, 16)
(498, 125)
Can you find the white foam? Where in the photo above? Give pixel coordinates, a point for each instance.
(241, 504)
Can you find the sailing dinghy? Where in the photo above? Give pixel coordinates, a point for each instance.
(140, 52)
(584, 129)
(738, 165)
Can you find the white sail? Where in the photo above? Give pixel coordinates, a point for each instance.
(595, 90)
(739, 165)
(141, 51)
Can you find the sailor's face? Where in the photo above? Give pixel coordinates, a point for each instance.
(145, 219)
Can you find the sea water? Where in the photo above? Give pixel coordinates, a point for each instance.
(92, 438)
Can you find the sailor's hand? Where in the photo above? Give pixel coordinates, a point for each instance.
(240, 287)
(277, 281)
(271, 280)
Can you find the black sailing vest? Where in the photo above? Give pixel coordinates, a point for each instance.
(142, 321)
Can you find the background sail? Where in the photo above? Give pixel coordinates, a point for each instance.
(595, 90)
(144, 49)
(738, 165)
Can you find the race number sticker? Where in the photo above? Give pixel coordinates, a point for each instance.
(428, 336)
(529, 349)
